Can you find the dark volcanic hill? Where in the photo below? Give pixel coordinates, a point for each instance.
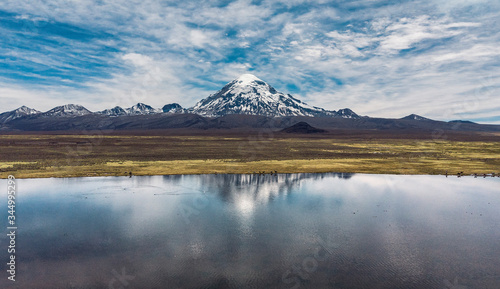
(415, 117)
(303, 127)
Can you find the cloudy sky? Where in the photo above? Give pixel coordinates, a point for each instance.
(436, 58)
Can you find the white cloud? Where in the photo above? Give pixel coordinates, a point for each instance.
(350, 55)
(137, 59)
(471, 54)
(31, 18)
(237, 13)
(406, 32)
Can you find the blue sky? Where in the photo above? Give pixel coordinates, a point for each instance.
(436, 58)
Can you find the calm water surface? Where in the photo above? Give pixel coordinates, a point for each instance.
(245, 231)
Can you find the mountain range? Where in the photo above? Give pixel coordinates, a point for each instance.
(245, 95)
(246, 101)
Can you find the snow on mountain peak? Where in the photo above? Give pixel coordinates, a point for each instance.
(247, 79)
(115, 111)
(415, 117)
(24, 110)
(67, 110)
(173, 108)
(250, 95)
(141, 108)
(17, 113)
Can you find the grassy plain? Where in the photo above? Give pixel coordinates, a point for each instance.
(42, 155)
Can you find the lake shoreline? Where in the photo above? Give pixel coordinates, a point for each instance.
(210, 167)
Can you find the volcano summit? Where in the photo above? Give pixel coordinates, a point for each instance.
(250, 95)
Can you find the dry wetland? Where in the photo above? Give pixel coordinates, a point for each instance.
(178, 152)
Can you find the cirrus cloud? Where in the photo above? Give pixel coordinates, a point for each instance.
(380, 58)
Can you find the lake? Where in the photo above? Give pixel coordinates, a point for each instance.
(255, 231)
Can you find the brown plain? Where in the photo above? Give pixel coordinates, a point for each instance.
(162, 152)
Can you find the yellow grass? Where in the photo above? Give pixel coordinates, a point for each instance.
(66, 156)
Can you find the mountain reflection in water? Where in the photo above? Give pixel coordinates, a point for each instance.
(257, 231)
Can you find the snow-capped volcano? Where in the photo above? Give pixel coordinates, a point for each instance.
(138, 109)
(250, 95)
(115, 111)
(17, 113)
(173, 108)
(67, 110)
(141, 108)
